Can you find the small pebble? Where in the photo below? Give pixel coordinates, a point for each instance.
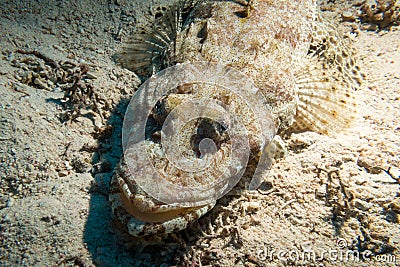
(29, 167)
(40, 84)
(348, 16)
(59, 48)
(10, 202)
(91, 75)
(67, 165)
(57, 90)
(362, 205)
(320, 192)
(253, 205)
(373, 163)
(63, 173)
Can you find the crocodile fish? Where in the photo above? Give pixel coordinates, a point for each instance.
(305, 71)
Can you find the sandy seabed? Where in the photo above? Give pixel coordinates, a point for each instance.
(329, 195)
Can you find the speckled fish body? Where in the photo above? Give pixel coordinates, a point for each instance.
(302, 66)
(268, 46)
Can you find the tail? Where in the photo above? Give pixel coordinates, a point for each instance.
(327, 83)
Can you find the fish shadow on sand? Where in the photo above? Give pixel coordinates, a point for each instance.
(106, 239)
